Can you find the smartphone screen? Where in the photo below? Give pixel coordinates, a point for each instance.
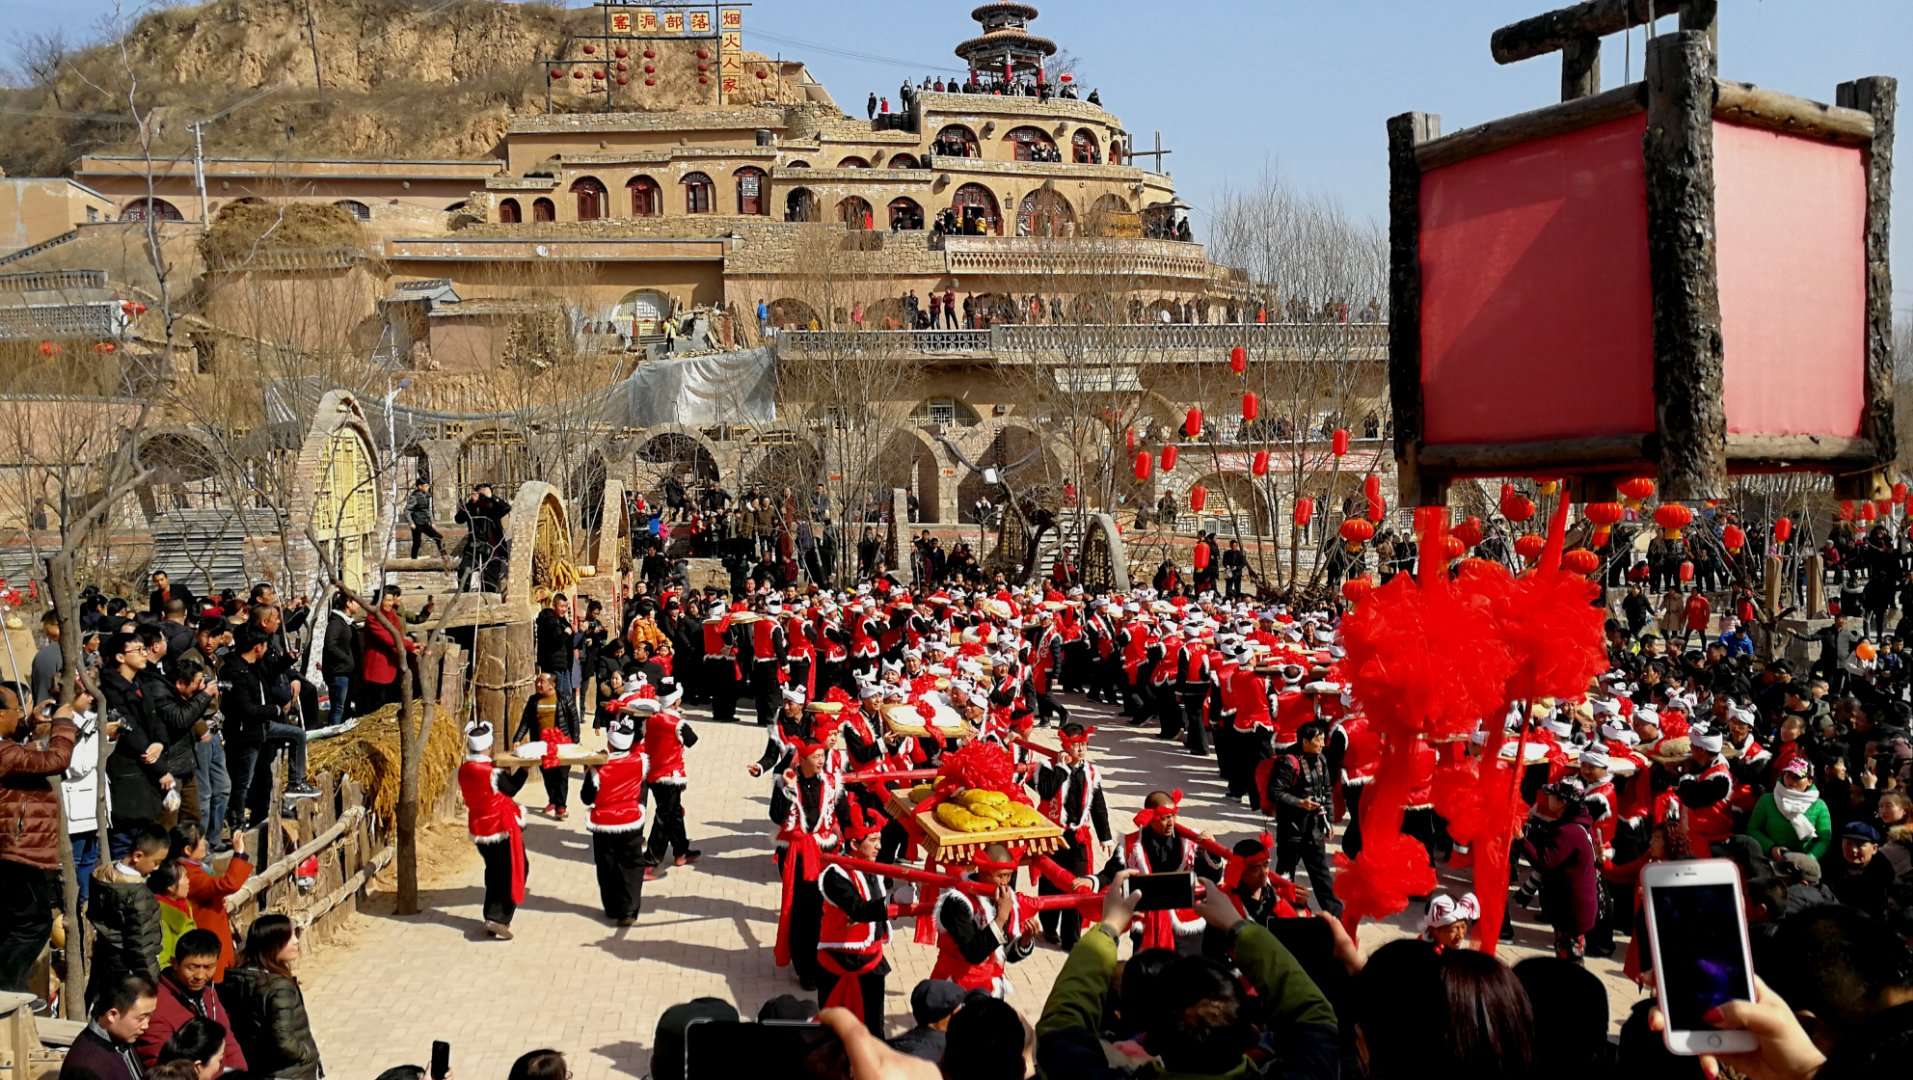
(727, 1049)
(1702, 954)
(1164, 892)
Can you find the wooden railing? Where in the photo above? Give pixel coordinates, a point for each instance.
(1356, 341)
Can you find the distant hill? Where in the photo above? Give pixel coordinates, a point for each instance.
(395, 78)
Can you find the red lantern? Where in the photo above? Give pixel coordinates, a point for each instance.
(1338, 441)
(1372, 487)
(702, 68)
(555, 75)
(1129, 439)
(620, 52)
(105, 347)
(1581, 561)
(650, 82)
(704, 80)
(1377, 509)
(1259, 465)
(47, 348)
(1883, 507)
(597, 75)
(1468, 531)
(1251, 407)
(1899, 491)
(622, 79)
(1529, 546)
(1733, 538)
(650, 69)
(1304, 511)
(1687, 571)
(649, 54)
(1355, 588)
(1142, 466)
(703, 54)
(1169, 459)
(1636, 489)
(1238, 360)
(1866, 512)
(1783, 530)
(1452, 547)
(1672, 518)
(1198, 498)
(1192, 423)
(762, 74)
(1515, 506)
(590, 49)
(578, 74)
(1357, 531)
(1846, 510)
(1604, 515)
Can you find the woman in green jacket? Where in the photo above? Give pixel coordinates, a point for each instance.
(1792, 817)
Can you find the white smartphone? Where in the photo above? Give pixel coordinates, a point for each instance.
(1697, 931)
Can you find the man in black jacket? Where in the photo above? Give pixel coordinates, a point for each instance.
(1299, 791)
(136, 780)
(252, 725)
(556, 645)
(418, 512)
(179, 712)
(484, 514)
(339, 656)
(103, 1050)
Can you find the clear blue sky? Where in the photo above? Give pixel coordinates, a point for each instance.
(1301, 87)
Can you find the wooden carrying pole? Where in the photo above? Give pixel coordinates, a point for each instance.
(1568, 28)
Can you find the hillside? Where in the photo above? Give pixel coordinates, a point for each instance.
(413, 78)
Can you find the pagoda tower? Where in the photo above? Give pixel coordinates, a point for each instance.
(1006, 51)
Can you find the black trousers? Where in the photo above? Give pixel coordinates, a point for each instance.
(1066, 925)
(557, 785)
(667, 821)
(26, 921)
(1195, 734)
(1047, 706)
(873, 995)
(1352, 836)
(1168, 706)
(619, 858)
(765, 690)
(499, 906)
(1310, 853)
(720, 679)
(421, 530)
(894, 840)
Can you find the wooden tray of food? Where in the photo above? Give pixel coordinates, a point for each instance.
(947, 845)
(902, 719)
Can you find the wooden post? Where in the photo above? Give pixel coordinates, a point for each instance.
(1703, 16)
(1678, 157)
(520, 665)
(1773, 570)
(1876, 96)
(1816, 588)
(489, 644)
(1581, 68)
(1405, 132)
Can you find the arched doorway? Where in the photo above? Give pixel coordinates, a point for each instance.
(800, 205)
(543, 209)
(641, 312)
(955, 140)
(905, 161)
(647, 199)
(905, 214)
(682, 455)
(853, 162)
(698, 196)
(590, 195)
(977, 210)
(1109, 204)
(854, 212)
(156, 209)
(908, 462)
(1236, 498)
(1032, 144)
(508, 212)
(1084, 148)
(775, 466)
(1022, 466)
(183, 473)
(750, 192)
(358, 210)
(789, 314)
(1045, 212)
(497, 456)
(345, 505)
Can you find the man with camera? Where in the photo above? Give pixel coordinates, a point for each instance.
(30, 844)
(253, 725)
(484, 514)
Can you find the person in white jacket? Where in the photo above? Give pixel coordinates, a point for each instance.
(80, 791)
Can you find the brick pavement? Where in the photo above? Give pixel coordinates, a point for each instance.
(570, 980)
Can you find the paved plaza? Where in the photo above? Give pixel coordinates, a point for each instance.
(570, 980)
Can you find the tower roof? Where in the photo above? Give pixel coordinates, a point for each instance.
(984, 11)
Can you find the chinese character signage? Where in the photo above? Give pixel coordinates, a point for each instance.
(731, 19)
(647, 21)
(621, 22)
(700, 22)
(674, 22)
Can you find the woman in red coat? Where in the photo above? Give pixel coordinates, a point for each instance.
(384, 653)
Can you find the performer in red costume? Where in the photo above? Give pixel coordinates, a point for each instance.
(617, 818)
(666, 737)
(855, 927)
(497, 825)
(1071, 790)
(806, 804)
(1154, 848)
(978, 935)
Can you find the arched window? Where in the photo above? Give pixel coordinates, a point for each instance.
(854, 212)
(1032, 144)
(356, 208)
(697, 193)
(905, 215)
(1044, 212)
(646, 199)
(853, 162)
(508, 212)
(976, 210)
(798, 165)
(905, 161)
(750, 191)
(800, 205)
(1110, 204)
(157, 209)
(590, 194)
(543, 210)
(1084, 147)
(955, 140)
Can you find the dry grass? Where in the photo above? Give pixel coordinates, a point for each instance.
(370, 756)
(241, 230)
